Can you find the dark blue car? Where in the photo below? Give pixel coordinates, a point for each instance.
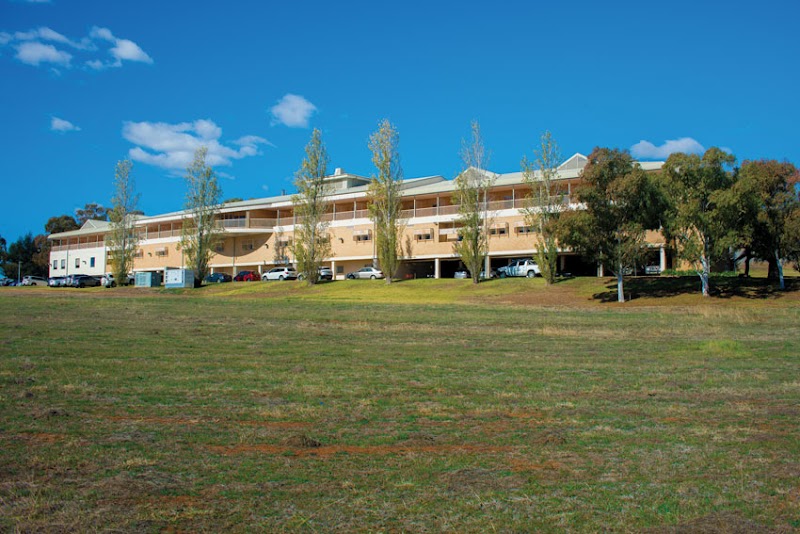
(218, 278)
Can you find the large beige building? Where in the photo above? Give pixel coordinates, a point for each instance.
(258, 233)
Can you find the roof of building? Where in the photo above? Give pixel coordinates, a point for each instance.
(569, 169)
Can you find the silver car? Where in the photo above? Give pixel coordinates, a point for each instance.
(280, 273)
(369, 273)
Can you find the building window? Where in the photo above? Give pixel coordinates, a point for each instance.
(55, 264)
(139, 253)
(362, 235)
(524, 229)
(340, 269)
(498, 230)
(91, 262)
(424, 236)
(219, 248)
(161, 251)
(247, 245)
(77, 263)
(63, 264)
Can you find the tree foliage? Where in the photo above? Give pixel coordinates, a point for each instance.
(384, 197)
(200, 232)
(91, 212)
(620, 203)
(61, 223)
(123, 238)
(27, 253)
(698, 220)
(544, 204)
(311, 241)
(766, 197)
(472, 197)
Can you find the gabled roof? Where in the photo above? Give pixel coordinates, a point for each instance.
(577, 162)
(89, 227)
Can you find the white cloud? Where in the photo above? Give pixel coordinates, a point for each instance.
(293, 111)
(172, 146)
(35, 53)
(45, 45)
(61, 125)
(647, 150)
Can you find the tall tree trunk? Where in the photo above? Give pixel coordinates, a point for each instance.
(772, 271)
(780, 270)
(747, 262)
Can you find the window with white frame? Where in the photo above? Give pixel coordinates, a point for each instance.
(247, 245)
(64, 264)
(77, 262)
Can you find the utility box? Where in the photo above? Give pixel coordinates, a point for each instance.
(148, 279)
(174, 278)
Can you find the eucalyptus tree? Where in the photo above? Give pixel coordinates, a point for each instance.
(311, 241)
(698, 219)
(619, 202)
(384, 197)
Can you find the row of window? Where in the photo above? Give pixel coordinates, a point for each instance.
(77, 263)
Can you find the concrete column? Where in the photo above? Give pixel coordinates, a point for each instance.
(487, 265)
(662, 253)
(600, 272)
(437, 268)
(333, 268)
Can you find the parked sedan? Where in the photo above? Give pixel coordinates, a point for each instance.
(218, 278)
(370, 273)
(280, 273)
(84, 280)
(246, 276)
(57, 281)
(33, 281)
(325, 273)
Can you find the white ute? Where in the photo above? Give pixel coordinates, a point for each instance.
(527, 268)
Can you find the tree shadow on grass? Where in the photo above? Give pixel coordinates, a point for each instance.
(721, 287)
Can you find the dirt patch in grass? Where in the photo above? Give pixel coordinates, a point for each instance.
(169, 421)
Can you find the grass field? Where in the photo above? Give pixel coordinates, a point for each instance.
(429, 405)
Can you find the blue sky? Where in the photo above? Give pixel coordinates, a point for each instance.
(88, 83)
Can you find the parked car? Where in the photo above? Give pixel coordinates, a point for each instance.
(33, 281)
(463, 273)
(652, 269)
(325, 273)
(56, 281)
(84, 280)
(246, 276)
(525, 267)
(108, 280)
(280, 273)
(6, 281)
(218, 278)
(370, 273)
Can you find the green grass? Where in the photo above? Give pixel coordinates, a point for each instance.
(430, 405)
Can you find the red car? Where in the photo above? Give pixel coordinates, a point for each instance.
(246, 276)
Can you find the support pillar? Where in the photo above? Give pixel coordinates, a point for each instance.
(600, 272)
(437, 268)
(333, 269)
(662, 264)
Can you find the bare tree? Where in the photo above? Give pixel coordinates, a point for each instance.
(200, 232)
(311, 242)
(544, 204)
(123, 238)
(472, 197)
(384, 195)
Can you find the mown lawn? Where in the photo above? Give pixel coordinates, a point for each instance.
(427, 406)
